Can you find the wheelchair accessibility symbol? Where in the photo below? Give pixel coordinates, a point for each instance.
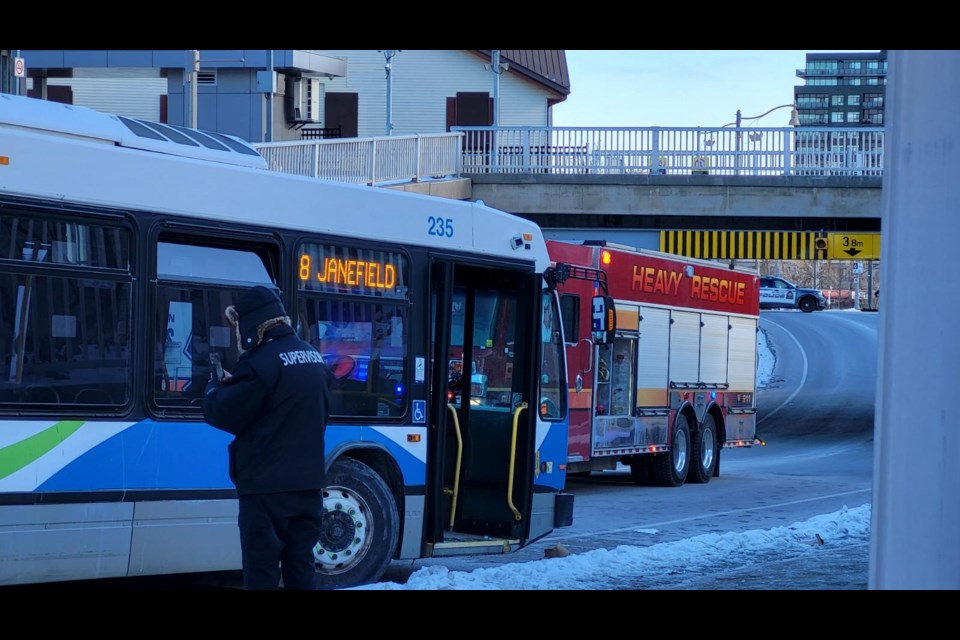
(419, 411)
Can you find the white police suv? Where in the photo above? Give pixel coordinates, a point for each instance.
(777, 293)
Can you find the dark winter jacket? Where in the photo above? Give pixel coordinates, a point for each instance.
(276, 405)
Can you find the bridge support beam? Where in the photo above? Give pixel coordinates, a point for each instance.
(704, 197)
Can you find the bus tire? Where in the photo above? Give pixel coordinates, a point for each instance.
(703, 452)
(670, 468)
(360, 529)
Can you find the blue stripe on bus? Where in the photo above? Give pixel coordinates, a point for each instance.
(150, 455)
(414, 470)
(189, 455)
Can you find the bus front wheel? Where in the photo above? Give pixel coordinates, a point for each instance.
(360, 527)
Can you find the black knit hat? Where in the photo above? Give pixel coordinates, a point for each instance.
(255, 307)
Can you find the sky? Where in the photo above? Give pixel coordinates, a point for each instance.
(599, 568)
(680, 88)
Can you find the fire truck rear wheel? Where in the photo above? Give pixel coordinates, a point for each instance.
(703, 452)
(670, 468)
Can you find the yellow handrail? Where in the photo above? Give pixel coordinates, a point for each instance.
(456, 476)
(513, 458)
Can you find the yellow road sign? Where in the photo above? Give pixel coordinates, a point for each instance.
(771, 245)
(854, 246)
(746, 245)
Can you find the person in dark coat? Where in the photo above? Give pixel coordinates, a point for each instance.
(275, 403)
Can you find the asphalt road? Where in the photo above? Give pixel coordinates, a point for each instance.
(817, 418)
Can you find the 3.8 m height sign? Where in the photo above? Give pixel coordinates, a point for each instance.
(853, 246)
(771, 245)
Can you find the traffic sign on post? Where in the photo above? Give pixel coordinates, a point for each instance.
(19, 68)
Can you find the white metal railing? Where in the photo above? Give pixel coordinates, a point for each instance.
(745, 151)
(784, 151)
(373, 161)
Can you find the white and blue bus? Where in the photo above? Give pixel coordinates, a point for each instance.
(121, 243)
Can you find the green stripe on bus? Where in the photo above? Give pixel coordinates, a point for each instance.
(19, 454)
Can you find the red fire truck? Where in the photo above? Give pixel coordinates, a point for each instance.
(662, 359)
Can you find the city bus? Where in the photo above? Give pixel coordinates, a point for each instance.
(122, 241)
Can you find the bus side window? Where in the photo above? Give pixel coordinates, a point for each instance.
(65, 340)
(363, 344)
(189, 327)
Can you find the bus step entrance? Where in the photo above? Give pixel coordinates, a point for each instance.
(460, 544)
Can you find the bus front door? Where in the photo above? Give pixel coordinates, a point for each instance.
(483, 408)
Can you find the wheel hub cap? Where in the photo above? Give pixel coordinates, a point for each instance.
(344, 533)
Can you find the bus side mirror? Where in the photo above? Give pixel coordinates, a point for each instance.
(604, 319)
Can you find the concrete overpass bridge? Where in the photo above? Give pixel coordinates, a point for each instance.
(752, 193)
(636, 209)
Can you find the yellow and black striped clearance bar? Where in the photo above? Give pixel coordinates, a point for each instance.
(771, 245)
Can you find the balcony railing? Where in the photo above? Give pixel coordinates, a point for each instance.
(844, 71)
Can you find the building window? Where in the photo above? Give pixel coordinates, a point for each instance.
(5, 73)
(836, 101)
(812, 101)
(836, 117)
(822, 67)
(813, 118)
(853, 116)
(853, 101)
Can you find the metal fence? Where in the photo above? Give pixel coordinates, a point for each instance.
(746, 151)
(808, 151)
(373, 161)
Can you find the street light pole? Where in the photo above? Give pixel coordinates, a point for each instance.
(191, 68)
(495, 64)
(497, 69)
(388, 55)
(269, 131)
(736, 158)
(794, 122)
(794, 116)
